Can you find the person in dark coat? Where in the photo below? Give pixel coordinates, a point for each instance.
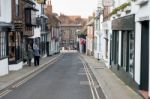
(30, 55)
(36, 55)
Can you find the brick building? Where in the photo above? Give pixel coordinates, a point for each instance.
(70, 25)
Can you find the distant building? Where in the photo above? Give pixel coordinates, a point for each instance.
(90, 36)
(70, 25)
(53, 43)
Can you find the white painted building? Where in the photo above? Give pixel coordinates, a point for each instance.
(106, 42)
(130, 44)
(90, 37)
(5, 23)
(55, 40)
(142, 45)
(98, 38)
(37, 30)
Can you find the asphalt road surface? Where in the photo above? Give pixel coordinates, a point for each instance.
(65, 79)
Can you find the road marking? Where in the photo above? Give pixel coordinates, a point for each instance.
(84, 83)
(93, 84)
(81, 73)
(34, 74)
(4, 93)
(91, 81)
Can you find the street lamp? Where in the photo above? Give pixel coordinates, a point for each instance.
(98, 12)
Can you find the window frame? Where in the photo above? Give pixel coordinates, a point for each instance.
(17, 45)
(3, 45)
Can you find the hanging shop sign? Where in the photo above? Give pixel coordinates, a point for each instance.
(18, 25)
(124, 23)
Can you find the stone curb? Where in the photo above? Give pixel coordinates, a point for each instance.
(102, 82)
(103, 89)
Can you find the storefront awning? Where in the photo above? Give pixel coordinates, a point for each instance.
(34, 36)
(43, 15)
(31, 8)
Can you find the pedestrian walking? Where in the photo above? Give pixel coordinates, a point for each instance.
(36, 55)
(30, 55)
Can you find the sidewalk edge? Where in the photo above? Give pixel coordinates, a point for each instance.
(29, 73)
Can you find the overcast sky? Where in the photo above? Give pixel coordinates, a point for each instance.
(74, 7)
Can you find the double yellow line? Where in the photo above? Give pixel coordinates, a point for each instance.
(93, 89)
(5, 92)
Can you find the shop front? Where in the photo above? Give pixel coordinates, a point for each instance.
(4, 28)
(15, 50)
(15, 41)
(142, 44)
(123, 49)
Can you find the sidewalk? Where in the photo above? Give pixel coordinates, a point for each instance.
(14, 76)
(111, 85)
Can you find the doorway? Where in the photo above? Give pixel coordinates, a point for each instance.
(144, 55)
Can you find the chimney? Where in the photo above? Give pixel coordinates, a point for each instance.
(49, 7)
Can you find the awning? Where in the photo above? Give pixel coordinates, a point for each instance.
(31, 8)
(34, 36)
(43, 15)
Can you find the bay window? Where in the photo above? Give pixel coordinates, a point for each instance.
(15, 47)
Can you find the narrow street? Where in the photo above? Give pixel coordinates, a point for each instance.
(66, 79)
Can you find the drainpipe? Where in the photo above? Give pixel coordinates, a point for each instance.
(93, 41)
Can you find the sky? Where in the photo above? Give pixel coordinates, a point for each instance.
(74, 7)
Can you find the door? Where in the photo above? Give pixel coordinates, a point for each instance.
(124, 50)
(144, 55)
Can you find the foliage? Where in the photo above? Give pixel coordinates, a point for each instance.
(121, 7)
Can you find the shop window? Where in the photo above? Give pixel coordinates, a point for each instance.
(131, 52)
(128, 48)
(33, 17)
(15, 47)
(115, 44)
(124, 50)
(3, 45)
